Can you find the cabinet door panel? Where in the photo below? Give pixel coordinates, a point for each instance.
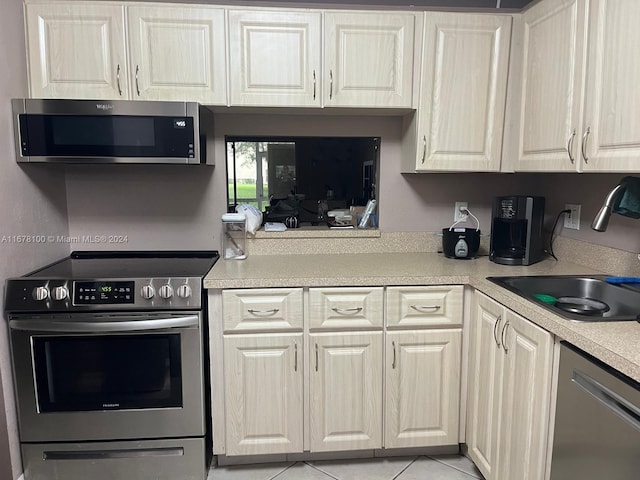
(463, 91)
(76, 50)
(263, 393)
(368, 59)
(422, 388)
(525, 411)
(274, 58)
(553, 55)
(612, 100)
(486, 363)
(346, 391)
(178, 53)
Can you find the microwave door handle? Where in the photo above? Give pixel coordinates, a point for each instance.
(62, 326)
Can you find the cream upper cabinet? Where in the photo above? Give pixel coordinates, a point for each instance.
(275, 58)
(510, 374)
(76, 50)
(460, 117)
(611, 126)
(177, 52)
(174, 52)
(552, 82)
(345, 391)
(422, 388)
(368, 58)
(263, 393)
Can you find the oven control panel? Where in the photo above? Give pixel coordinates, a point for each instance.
(103, 293)
(35, 294)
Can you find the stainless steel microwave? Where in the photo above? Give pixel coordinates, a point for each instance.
(111, 131)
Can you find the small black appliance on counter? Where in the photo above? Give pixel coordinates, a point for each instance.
(516, 230)
(460, 242)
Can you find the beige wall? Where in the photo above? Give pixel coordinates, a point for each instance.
(171, 207)
(33, 203)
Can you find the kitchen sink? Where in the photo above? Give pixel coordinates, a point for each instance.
(578, 298)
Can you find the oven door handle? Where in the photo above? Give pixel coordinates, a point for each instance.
(67, 326)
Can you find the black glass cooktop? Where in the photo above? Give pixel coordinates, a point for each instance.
(130, 264)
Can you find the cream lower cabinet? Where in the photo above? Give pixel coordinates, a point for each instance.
(263, 393)
(263, 345)
(510, 376)
(460, 117)
(422, 388)
(422, 366)
(345, 387)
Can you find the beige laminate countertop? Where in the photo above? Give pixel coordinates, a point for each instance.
(615, 343)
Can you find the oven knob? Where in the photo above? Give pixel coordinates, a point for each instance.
(60, 293)
(147, 292)
(166, 291)
(40, 293)
(184, 291)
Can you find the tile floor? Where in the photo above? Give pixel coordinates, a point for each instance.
(442, 467)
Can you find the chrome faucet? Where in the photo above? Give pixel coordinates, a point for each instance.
(611, 204)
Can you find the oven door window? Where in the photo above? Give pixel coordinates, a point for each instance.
(107, 372)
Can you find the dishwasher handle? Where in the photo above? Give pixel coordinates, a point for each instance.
(68, 326)
(618, 405)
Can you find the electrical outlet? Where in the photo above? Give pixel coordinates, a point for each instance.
(572, 220)
(460, 214)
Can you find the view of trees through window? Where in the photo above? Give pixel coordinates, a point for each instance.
(288, 176)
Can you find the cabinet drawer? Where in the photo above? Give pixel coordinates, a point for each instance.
(262, 309)
(424, 306)
(357, 307)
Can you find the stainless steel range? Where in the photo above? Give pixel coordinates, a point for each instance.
(109, 366)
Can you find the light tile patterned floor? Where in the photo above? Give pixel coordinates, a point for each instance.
(444, 467)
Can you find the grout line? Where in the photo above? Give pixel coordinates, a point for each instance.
(282, 471)
(407, 466)
(320, 470)
(451, 466)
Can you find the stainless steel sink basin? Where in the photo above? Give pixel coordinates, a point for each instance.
(578, 298)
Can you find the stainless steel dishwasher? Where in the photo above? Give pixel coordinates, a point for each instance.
(597, 426)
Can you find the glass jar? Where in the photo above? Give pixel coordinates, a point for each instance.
(234, 236)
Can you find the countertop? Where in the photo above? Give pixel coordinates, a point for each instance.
(615, 343)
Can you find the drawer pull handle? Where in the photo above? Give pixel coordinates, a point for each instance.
(316, 357)
(393, 364)
(570, 145)
(330, 84)
(426, 308)
(137, 83)
(584, 144)
(314, 84)
(295, 358)
(118, 80)
(503, 335)
(263, 313)
(495, 327)
(347, 311)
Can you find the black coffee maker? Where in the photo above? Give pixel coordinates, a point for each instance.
(516, 230)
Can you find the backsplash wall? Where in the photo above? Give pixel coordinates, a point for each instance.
(180, 207)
